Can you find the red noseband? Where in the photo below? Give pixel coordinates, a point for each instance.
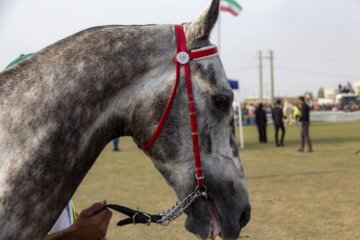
(182, 58)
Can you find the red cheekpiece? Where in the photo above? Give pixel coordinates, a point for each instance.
(183, 58)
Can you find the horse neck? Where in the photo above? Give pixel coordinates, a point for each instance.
(67, 102)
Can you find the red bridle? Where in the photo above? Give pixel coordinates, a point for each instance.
(182, 58)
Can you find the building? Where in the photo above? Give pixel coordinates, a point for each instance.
(356, 86)
(330, 93)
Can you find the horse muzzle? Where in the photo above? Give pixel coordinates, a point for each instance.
(209, 219)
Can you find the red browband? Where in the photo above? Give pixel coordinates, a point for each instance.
(182, 58)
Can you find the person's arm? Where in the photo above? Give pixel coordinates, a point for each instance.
(302, 113)
(265, 118)
(92, 224)
(257, 117)
(307, 112)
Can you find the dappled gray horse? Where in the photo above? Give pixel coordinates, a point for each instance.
(60, 107)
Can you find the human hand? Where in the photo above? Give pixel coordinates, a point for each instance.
(92, 223)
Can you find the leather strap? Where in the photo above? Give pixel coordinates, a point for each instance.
(183, 58)
(134, 216)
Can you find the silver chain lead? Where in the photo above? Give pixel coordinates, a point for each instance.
(179, 207)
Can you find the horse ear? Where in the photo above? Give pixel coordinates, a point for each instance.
(205, 22)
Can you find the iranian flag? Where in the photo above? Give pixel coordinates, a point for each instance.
(230, 6)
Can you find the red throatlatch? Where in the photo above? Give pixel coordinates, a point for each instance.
(182, 58)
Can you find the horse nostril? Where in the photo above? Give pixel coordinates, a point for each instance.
(245, 217)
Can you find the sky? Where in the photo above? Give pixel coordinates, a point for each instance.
(316, 43)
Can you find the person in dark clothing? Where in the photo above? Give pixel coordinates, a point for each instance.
(305, 125)
(261, 121)
(278, 116)
(115, 143)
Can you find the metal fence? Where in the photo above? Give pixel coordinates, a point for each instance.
(334, 116)
(327, 116)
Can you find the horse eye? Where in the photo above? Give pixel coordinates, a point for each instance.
(221, 102)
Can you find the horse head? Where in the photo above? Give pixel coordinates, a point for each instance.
(227, 209)
(60, 108)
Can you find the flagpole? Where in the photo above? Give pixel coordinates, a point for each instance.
(219, 33)
(241, 131)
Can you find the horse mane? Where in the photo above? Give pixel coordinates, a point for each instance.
(24, 63)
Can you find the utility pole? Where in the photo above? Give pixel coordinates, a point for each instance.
(272, 84)
(260, 76)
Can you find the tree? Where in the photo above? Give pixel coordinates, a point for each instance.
(321, 93)
(309, 95)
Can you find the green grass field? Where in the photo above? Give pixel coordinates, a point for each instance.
(293, 195)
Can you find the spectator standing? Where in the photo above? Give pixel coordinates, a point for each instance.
(305, 125)
(261, 122)
(278, 116)
(251, 112)
(296, 114)
(115, 143)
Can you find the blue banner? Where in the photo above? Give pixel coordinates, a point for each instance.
(233, 84)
